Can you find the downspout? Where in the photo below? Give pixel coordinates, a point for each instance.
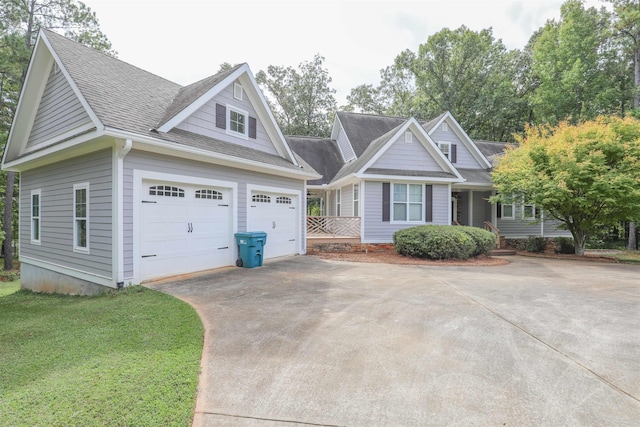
(121, 152)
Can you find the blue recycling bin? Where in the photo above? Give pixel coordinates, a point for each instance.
(251, 245)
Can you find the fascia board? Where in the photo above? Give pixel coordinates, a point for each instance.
(371, 177)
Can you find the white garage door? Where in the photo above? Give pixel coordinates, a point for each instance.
(278, 216)
(184, 228)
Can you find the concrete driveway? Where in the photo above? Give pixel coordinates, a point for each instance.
(305, 341)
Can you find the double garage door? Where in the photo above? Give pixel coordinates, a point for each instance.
(187, 228)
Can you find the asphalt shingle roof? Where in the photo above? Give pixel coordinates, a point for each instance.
(362, 129)
(476, 176)
(321, 153)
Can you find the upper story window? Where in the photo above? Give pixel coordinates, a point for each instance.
(35, 216)
(238, 122)
(445, 147)
(407, 202)
(237, 91)
(81, 217)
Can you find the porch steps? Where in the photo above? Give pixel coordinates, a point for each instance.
(503, 252)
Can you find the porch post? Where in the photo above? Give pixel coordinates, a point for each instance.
(470, 208)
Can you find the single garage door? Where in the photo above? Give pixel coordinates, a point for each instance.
(277, 215)
(184, 228)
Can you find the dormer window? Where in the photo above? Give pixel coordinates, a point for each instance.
(237, 122)
(237, 91)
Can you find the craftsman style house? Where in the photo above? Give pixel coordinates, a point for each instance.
(382, 174)
(125, 176)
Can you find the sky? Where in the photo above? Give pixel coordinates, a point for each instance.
(187, 40)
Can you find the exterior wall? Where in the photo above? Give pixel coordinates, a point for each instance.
(519, 228)
(377, 231)
(463, 207)
(56, 214)
(464, 158)
(407, 156)
(38, 279)
(347, 200)
(203, 122)
(138, 160)
(481, 208)
(59, 111)
(345, 146)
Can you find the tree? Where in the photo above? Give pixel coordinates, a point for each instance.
(627, 23)
(570, 61)
(20, 22)
(585, 175)
(301, 100)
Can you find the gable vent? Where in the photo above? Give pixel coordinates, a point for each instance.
(237, 91)
(445, 127)
(408, 137)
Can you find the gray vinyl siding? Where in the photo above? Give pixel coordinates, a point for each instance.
(59, 111)
(377, 231)
(347, 200)
(519, 228)
(56, 182)
(464, 158)
(463, 207)
(203, 122)
(408, 156)
(139, 160)
(345, 147)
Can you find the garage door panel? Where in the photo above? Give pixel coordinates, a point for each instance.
(276, 215)
(183, 234)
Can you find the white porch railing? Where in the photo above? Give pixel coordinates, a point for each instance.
(334, 226)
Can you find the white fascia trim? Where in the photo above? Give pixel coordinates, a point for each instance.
(163, 147)
(407, 178)
(74, 142)
(94, 118)
(198, 103)
(466, 140)
(473, 185)
(73, 272)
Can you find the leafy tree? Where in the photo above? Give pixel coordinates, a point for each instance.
(302, 100)
(585, 175)
(20, 22)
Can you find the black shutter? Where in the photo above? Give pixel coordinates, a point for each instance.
(386, 201)
(499, 210)
(428, 205)
(221, 116)
(454, 153)
(252, 127)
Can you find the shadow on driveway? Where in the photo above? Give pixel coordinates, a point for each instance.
(304, 341)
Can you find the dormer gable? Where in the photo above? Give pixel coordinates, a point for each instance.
(455, 143)
(228, 106)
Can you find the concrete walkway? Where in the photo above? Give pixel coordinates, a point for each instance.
(304, 341)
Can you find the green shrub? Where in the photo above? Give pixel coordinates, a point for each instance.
(535, 244)
(485, 240)
(564, 245)
(434, 242)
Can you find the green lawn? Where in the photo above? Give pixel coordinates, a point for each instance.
(630, 257)
(7, 288)
(129, 358)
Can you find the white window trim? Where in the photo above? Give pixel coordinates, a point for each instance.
(448, 145)
(513, 211)
(238, 91)
(338, 202)
(356, 199)
(244, 135)
(37, 192)
(533, 211)
(408, 202)
(76, 248)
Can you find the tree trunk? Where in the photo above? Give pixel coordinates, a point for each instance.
(8, 221)
(632, 244)
(579, 242)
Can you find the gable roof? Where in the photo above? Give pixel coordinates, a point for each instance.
(378, 146)
(362, 129)
(322, 154)
(125, 101)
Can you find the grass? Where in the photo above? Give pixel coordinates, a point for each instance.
(630, 257)
(128, 358)
(7, 288)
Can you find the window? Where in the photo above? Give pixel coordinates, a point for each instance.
(356, 199)
(35, 216)
(445, 147)
(261, 198)
(237, 91)
(529, 211)
(166, 191)
(283, 200)
(81, 217)
(237, 123)
(208, 194)
(508, 211)
(407, 202)
(338, 202)
(408, 137)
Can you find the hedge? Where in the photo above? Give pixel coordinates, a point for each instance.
(443, 242)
